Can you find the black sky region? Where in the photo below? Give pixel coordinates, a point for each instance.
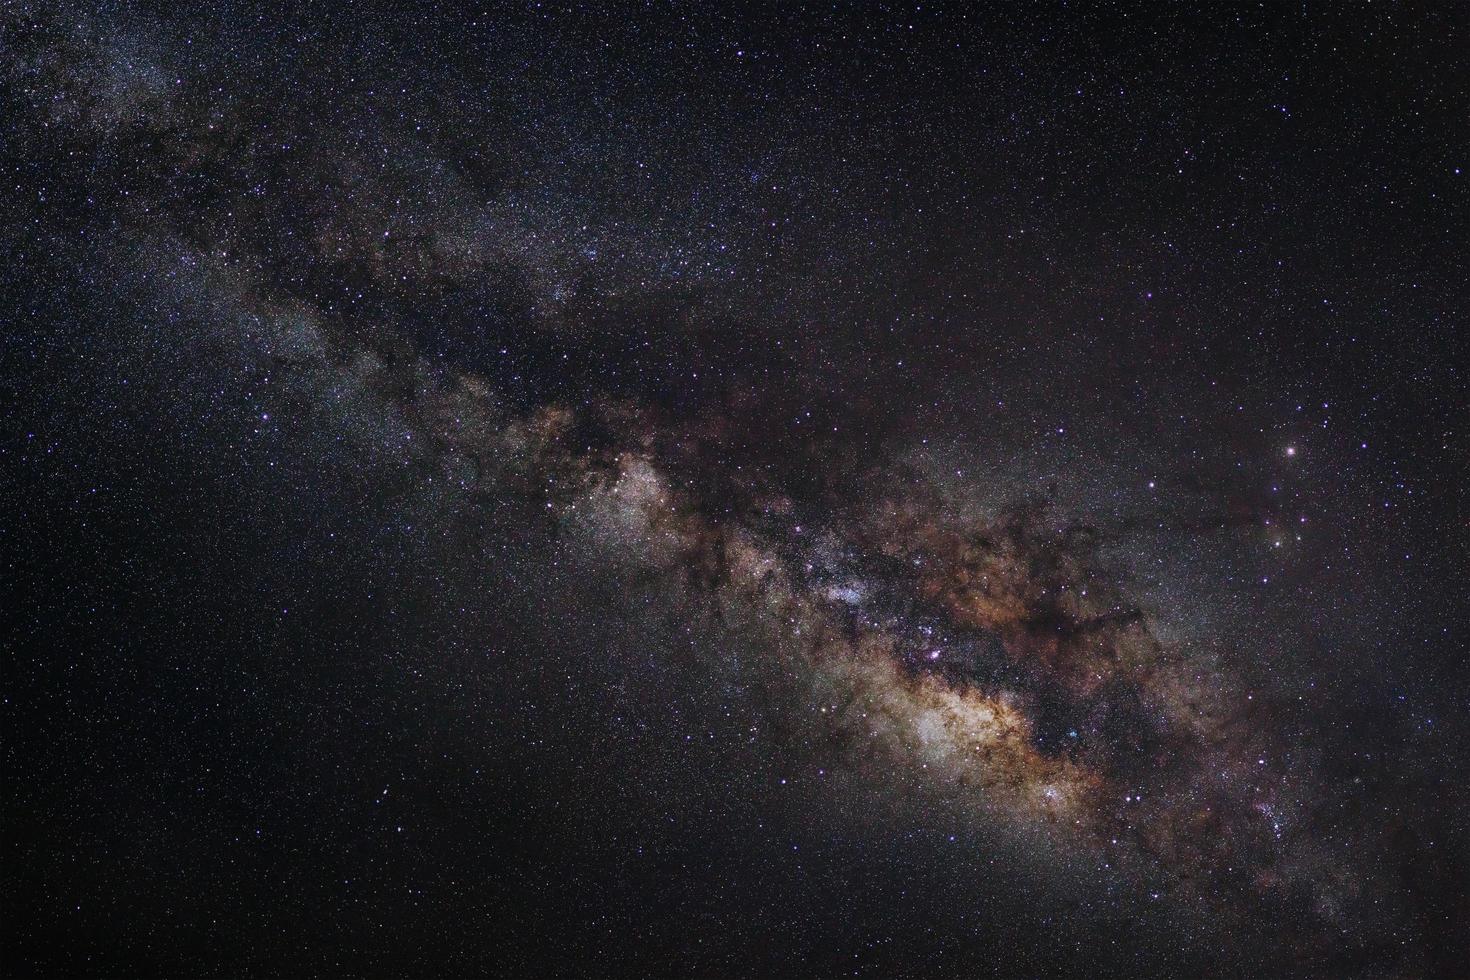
(702, 490)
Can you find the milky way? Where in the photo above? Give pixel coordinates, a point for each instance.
(968, 521)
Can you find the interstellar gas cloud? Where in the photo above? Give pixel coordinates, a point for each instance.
(676, 490)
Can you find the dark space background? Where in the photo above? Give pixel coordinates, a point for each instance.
(671, 490)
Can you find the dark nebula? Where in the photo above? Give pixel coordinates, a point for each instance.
(677, 491)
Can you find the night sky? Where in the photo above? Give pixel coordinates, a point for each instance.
(687, 490)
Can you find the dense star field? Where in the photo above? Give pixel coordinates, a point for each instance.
(680, 490)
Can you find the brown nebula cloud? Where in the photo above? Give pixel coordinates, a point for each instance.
(995, 658)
